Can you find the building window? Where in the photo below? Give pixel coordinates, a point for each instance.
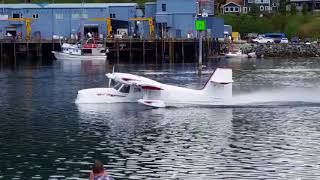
(16, 15)
(231, 9)
(227, 9)
(59, 16)
(112, 15)
(35, 16)
(245, 9)
(75, 16)
(164, 7)
(85, 16)
(236, 9)
(261, 1)
(250, 1)
(261, 8)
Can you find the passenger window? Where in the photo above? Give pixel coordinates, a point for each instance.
(136, 90)
(125, 89)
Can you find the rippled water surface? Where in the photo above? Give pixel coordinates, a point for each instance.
(272, 132)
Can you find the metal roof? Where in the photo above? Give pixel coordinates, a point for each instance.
(150, 3)
(65, 5)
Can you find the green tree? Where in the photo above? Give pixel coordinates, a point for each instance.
(293, 9)
(220, 2)
(283, 7)
(305, 9)
(254, 10)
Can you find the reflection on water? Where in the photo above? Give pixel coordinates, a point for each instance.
(158, 143)
(43, 134)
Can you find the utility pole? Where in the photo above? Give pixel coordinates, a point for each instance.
(200, 53)
(200, 27)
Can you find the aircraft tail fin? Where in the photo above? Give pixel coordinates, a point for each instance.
(220, 83)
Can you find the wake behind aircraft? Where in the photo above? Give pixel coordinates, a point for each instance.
(129, 88)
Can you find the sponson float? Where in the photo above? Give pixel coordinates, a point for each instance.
(128, 88)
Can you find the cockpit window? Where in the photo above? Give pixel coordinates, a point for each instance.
(125, 89)
(113, 83)
(117, 86)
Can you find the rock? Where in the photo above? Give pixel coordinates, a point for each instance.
(282, 50)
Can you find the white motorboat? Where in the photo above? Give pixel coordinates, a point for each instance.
(88, 51)
(237, 54)
(252, 55)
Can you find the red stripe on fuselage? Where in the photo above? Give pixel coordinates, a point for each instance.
(151, 88)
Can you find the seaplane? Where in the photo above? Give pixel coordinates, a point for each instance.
(129, 88)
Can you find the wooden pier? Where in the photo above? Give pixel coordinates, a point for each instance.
(121, 51)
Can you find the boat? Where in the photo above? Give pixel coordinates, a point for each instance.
(252, 55)
(90, 50)
(237, 54)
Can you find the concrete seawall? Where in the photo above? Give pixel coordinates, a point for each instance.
(282, 50)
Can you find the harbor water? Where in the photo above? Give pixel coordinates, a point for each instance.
(271, 132)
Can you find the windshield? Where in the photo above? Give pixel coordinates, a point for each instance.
(117, 86)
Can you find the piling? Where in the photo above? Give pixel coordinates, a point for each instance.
(143, 51)
(118, 51)
(130, 51)
(156, 47)
(182, 51)
(15, 54)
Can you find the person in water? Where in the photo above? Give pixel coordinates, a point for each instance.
(98, 172)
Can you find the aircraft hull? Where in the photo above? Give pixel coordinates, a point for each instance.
(102, 95)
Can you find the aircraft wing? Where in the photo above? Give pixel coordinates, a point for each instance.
(147, 86)
(151, 94)
(121, 79)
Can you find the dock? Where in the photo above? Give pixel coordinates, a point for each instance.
(121, 51)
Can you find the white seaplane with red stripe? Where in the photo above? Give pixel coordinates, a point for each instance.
(128, 88)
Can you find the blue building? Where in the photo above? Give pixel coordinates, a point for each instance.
(172, 18)
(176, 18)
(67, 20)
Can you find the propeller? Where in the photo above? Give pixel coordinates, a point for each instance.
(111, 79)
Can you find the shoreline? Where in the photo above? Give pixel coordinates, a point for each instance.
(282, 50)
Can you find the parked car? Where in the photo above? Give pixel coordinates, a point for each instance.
(251, 36)
(277, 37)
(295, 40)
(284, 41)
(307, 41)
(263, 40)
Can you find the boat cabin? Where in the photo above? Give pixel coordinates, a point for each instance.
(90, 47)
